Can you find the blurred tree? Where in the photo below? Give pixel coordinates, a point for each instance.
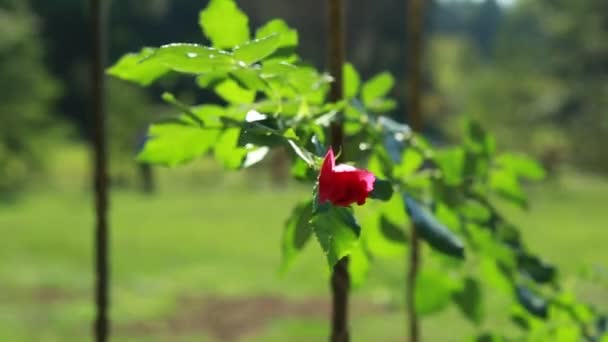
(27, 92)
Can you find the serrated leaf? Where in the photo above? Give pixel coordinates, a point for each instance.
(432, 231)
(191, 58)
(257, 49)
(469, 300)
(296, 234)
(172, 143)
(383, 190)
(522, 166)
(337, 232)
(376, 88)
(224, 24)
(230, 91)
(352, 81)
(130, 68)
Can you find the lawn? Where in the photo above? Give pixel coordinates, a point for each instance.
(198, 261)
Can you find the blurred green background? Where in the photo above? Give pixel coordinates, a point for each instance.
(195, 250)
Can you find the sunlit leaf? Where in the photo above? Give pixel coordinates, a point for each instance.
(224, 24)
(352, 81)
(172, 143)
(289, 36)
(377, 87)
(226, 150)
(191, 58)
(358, 265)
(230, 91)
(506, 184)
(521, 166)
(130, 68)
(257, 49)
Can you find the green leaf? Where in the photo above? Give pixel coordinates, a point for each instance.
(224, 24)
(411, 161)
(451, 163)
(352, 81)
(296, 234)
(173, 143)
(432, 231)
(230, 91)
(475, 211)
(521, 166)
(289, 36)
(494, 276)
(337, 232)
(469, 300)
(392, 232)
(383, 190)
(376, 88)
(249, 78)
(257, 49)
(191, 58)
(291, 134)
(211, 79)
(358, 265)
(477, 139)
(532, 302)
(534, 267)
(382, 105)
(226, 150)
(302, 152)
(433, 291)
(506, 184)
(130, 68)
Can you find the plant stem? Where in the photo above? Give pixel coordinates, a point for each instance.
(98, 127)
(415, 14)
(340, 281)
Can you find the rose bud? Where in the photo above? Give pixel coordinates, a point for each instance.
(342, 184)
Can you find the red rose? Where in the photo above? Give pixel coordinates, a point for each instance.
(343, 184)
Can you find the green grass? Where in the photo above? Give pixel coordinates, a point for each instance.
(211, 235)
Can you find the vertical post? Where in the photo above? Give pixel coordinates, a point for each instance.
(98, 128)
(415, 25)
(340, 281)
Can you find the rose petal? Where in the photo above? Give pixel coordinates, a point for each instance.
(344, 167)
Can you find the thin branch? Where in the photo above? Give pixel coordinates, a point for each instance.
(340, 280)
(98, 126)
(415, 13)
